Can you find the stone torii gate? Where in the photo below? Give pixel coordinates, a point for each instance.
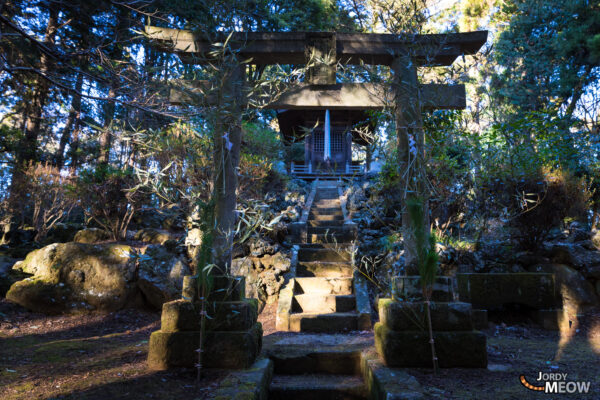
(238, 343)
(403, 53)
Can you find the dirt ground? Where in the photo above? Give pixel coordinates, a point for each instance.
(102, 356)
(522, 350)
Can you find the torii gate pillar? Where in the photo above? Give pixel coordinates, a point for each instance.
(410, 146)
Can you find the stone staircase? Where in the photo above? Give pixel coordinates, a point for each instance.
(323, 297)
(323, 366)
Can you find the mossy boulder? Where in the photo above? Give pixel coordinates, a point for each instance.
(160, 275)
(72, 276)
(153, 236)
(91, 235)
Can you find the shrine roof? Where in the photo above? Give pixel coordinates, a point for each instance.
(293, 124)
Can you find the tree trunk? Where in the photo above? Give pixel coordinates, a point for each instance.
(72, 124)
(110, 107)
(27, 149)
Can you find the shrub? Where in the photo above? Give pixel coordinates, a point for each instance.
(108, 198)
(45, 199)
(538, 202)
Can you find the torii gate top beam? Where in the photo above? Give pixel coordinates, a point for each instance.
(351, 48)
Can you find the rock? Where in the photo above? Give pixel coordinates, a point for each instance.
(409, 287)
(264, 275)
(259, 247)
(577, 293)
(574, 255)
(91, 235)
(6, 279)
(579, 235)
(278, 262)
(71, 276)
(356, 198)
(172, 218)
(153, 236)
(469, 261)
(147, 217)
(160, 275)
(528, 258)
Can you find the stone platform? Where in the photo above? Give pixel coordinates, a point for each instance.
(232, 339)
(402, 336)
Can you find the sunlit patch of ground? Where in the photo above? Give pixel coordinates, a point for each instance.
(96, 356)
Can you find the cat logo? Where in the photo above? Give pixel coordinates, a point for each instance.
(556, 383)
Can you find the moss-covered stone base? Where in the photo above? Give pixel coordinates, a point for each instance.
(183, 315)
(232, 338)
(409, 316)
(222, 349)
(466, 349)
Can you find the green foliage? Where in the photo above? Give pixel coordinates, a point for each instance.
(261, 141)
(294, 152)
(547, 53)
(261, 15)
(426, 255)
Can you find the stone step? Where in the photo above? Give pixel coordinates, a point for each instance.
(316, 361)
(344, 229)
(327, 269)
(334, 201)
(324, 323)
(331, 303)
(327, 192)
(324, 246)
(324, 254)
(325, 210)
(329, 217)
(323, 286)
(340, 239)
(334, 223)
